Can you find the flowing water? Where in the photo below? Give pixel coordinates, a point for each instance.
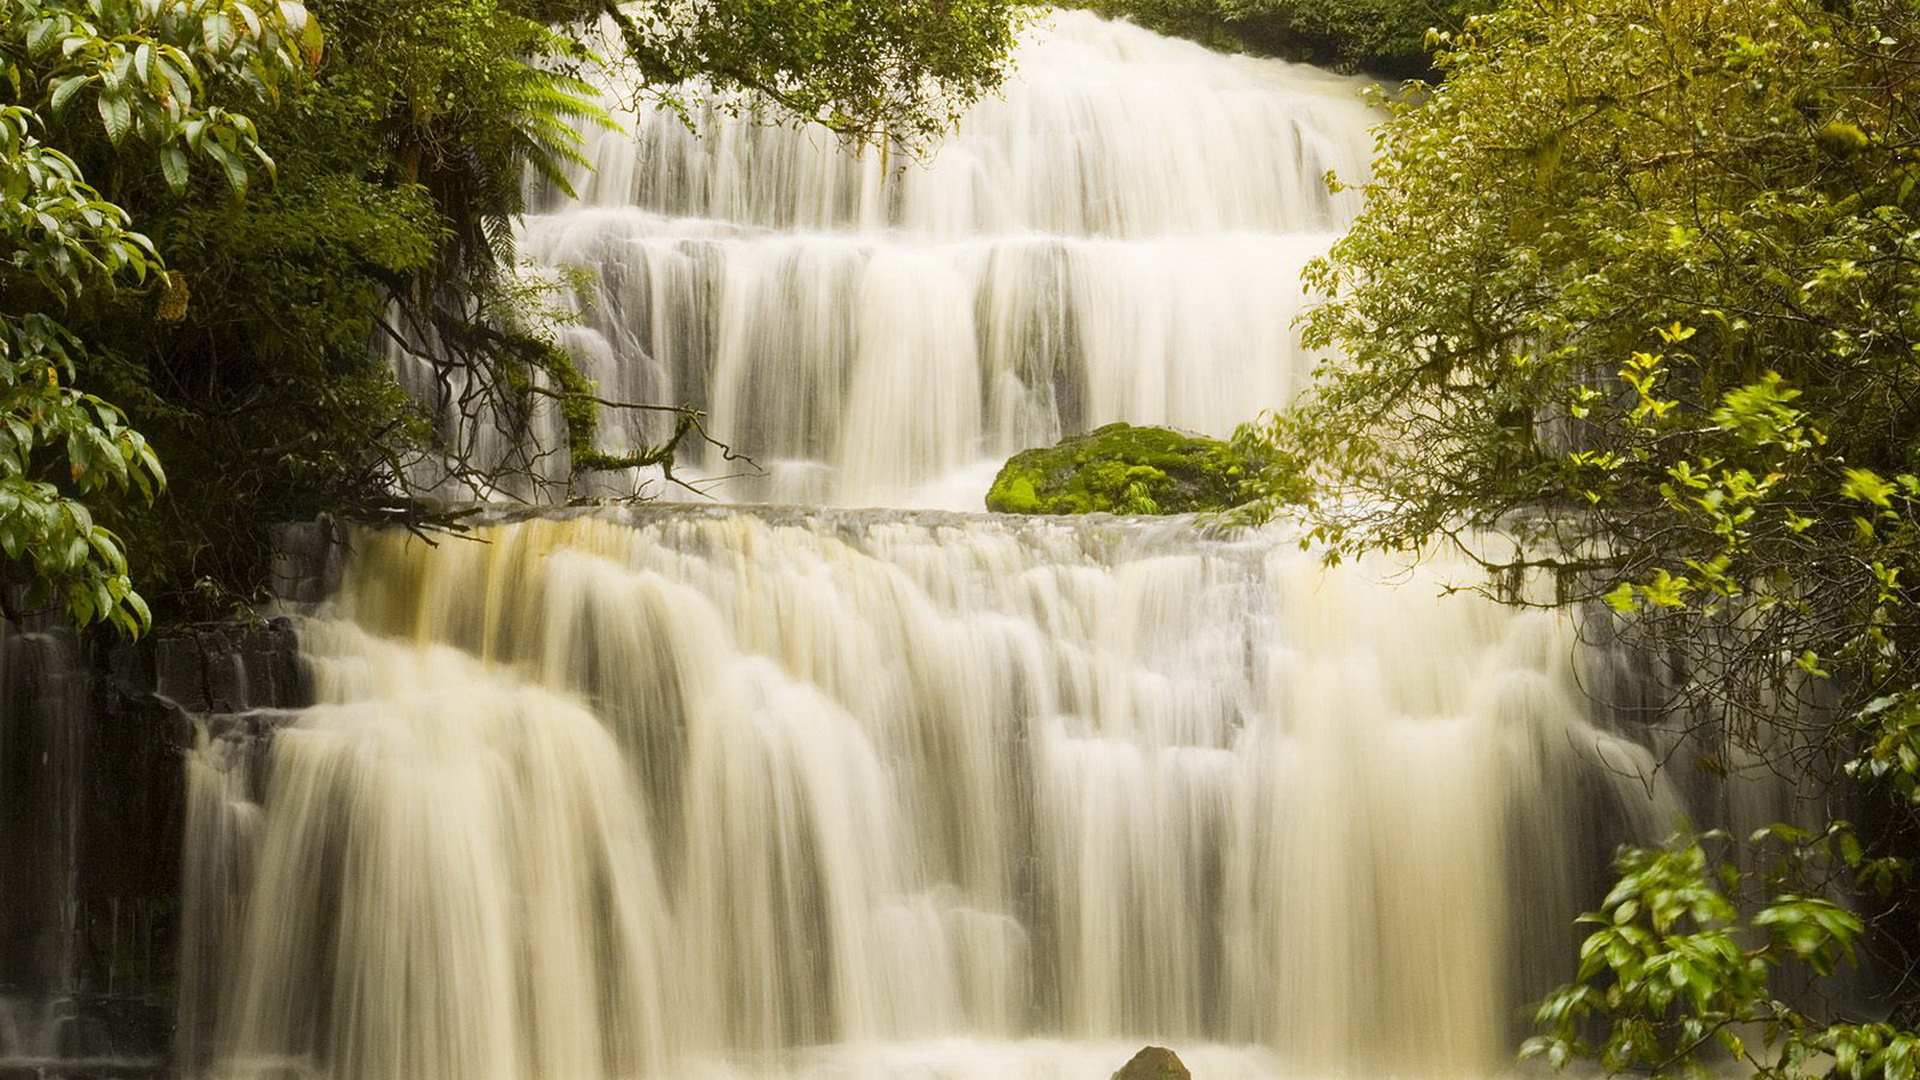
(1119, 237)
(41, 773)
(697, 791)
(605, 795)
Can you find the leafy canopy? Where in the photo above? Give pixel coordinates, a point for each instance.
(215, 214)
(132, 73)
(1676, 980)
(1637, 284)
(903, 69)
(1385, 37)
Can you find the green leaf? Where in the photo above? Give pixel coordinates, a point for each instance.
(173, 164)
(117, 114)
(217, 30)
(1621, 598)
(64, 90)
(230, 163)
(1864, 485)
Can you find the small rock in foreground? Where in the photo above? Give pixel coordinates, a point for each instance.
(1154, 1063)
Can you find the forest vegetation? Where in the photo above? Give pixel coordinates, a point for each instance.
(1387, 38)
(215, 209)
(1636, 286)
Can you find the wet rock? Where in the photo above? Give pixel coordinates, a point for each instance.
(308, 559)
(219, 668)
(92, 807)
(1154, 1063)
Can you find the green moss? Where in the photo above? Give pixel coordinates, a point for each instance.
(1122, 469)
(1016, 497)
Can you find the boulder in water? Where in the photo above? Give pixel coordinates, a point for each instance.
(1122, 469)
(1154, 1063)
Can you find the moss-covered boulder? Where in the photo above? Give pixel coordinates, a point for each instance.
(1122, 469)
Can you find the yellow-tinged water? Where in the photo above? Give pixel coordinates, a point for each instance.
(825, 792)
(873, 795)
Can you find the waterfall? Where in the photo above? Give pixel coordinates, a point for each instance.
(628, 794)
(42, 759)
(778, 792)
(1118, 237)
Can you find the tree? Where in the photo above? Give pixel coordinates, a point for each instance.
(899, 69)
(133, 74)
(293, 206)
(1636, 286)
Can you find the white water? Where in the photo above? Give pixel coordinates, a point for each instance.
(837, 794)
(1120, 237)
(877, 794)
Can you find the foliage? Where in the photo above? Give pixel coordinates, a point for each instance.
(463, 98)
(130, 75)
(1662, 331)
(903, 69)
(1385, 37)
(1204, 21)
(297, 208)
(1636, 285)
(1121, 469)
(1674, 980)
(154, 74)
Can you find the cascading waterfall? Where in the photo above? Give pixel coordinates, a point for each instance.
(1120, 237)
(837, 793)
(603, 795)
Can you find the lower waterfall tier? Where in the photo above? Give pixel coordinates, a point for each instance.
(670, 790)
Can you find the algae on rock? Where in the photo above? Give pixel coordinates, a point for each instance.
(1122, 469)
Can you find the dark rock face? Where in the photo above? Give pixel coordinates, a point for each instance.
(1154, 1063)
(1121, 469)
(92, 809)
(225, 668)
(308, 559)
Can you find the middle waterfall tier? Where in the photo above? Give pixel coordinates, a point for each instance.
(1119, 237)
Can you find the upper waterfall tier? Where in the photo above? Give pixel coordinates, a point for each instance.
(1105, 130)
(1118, 236)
